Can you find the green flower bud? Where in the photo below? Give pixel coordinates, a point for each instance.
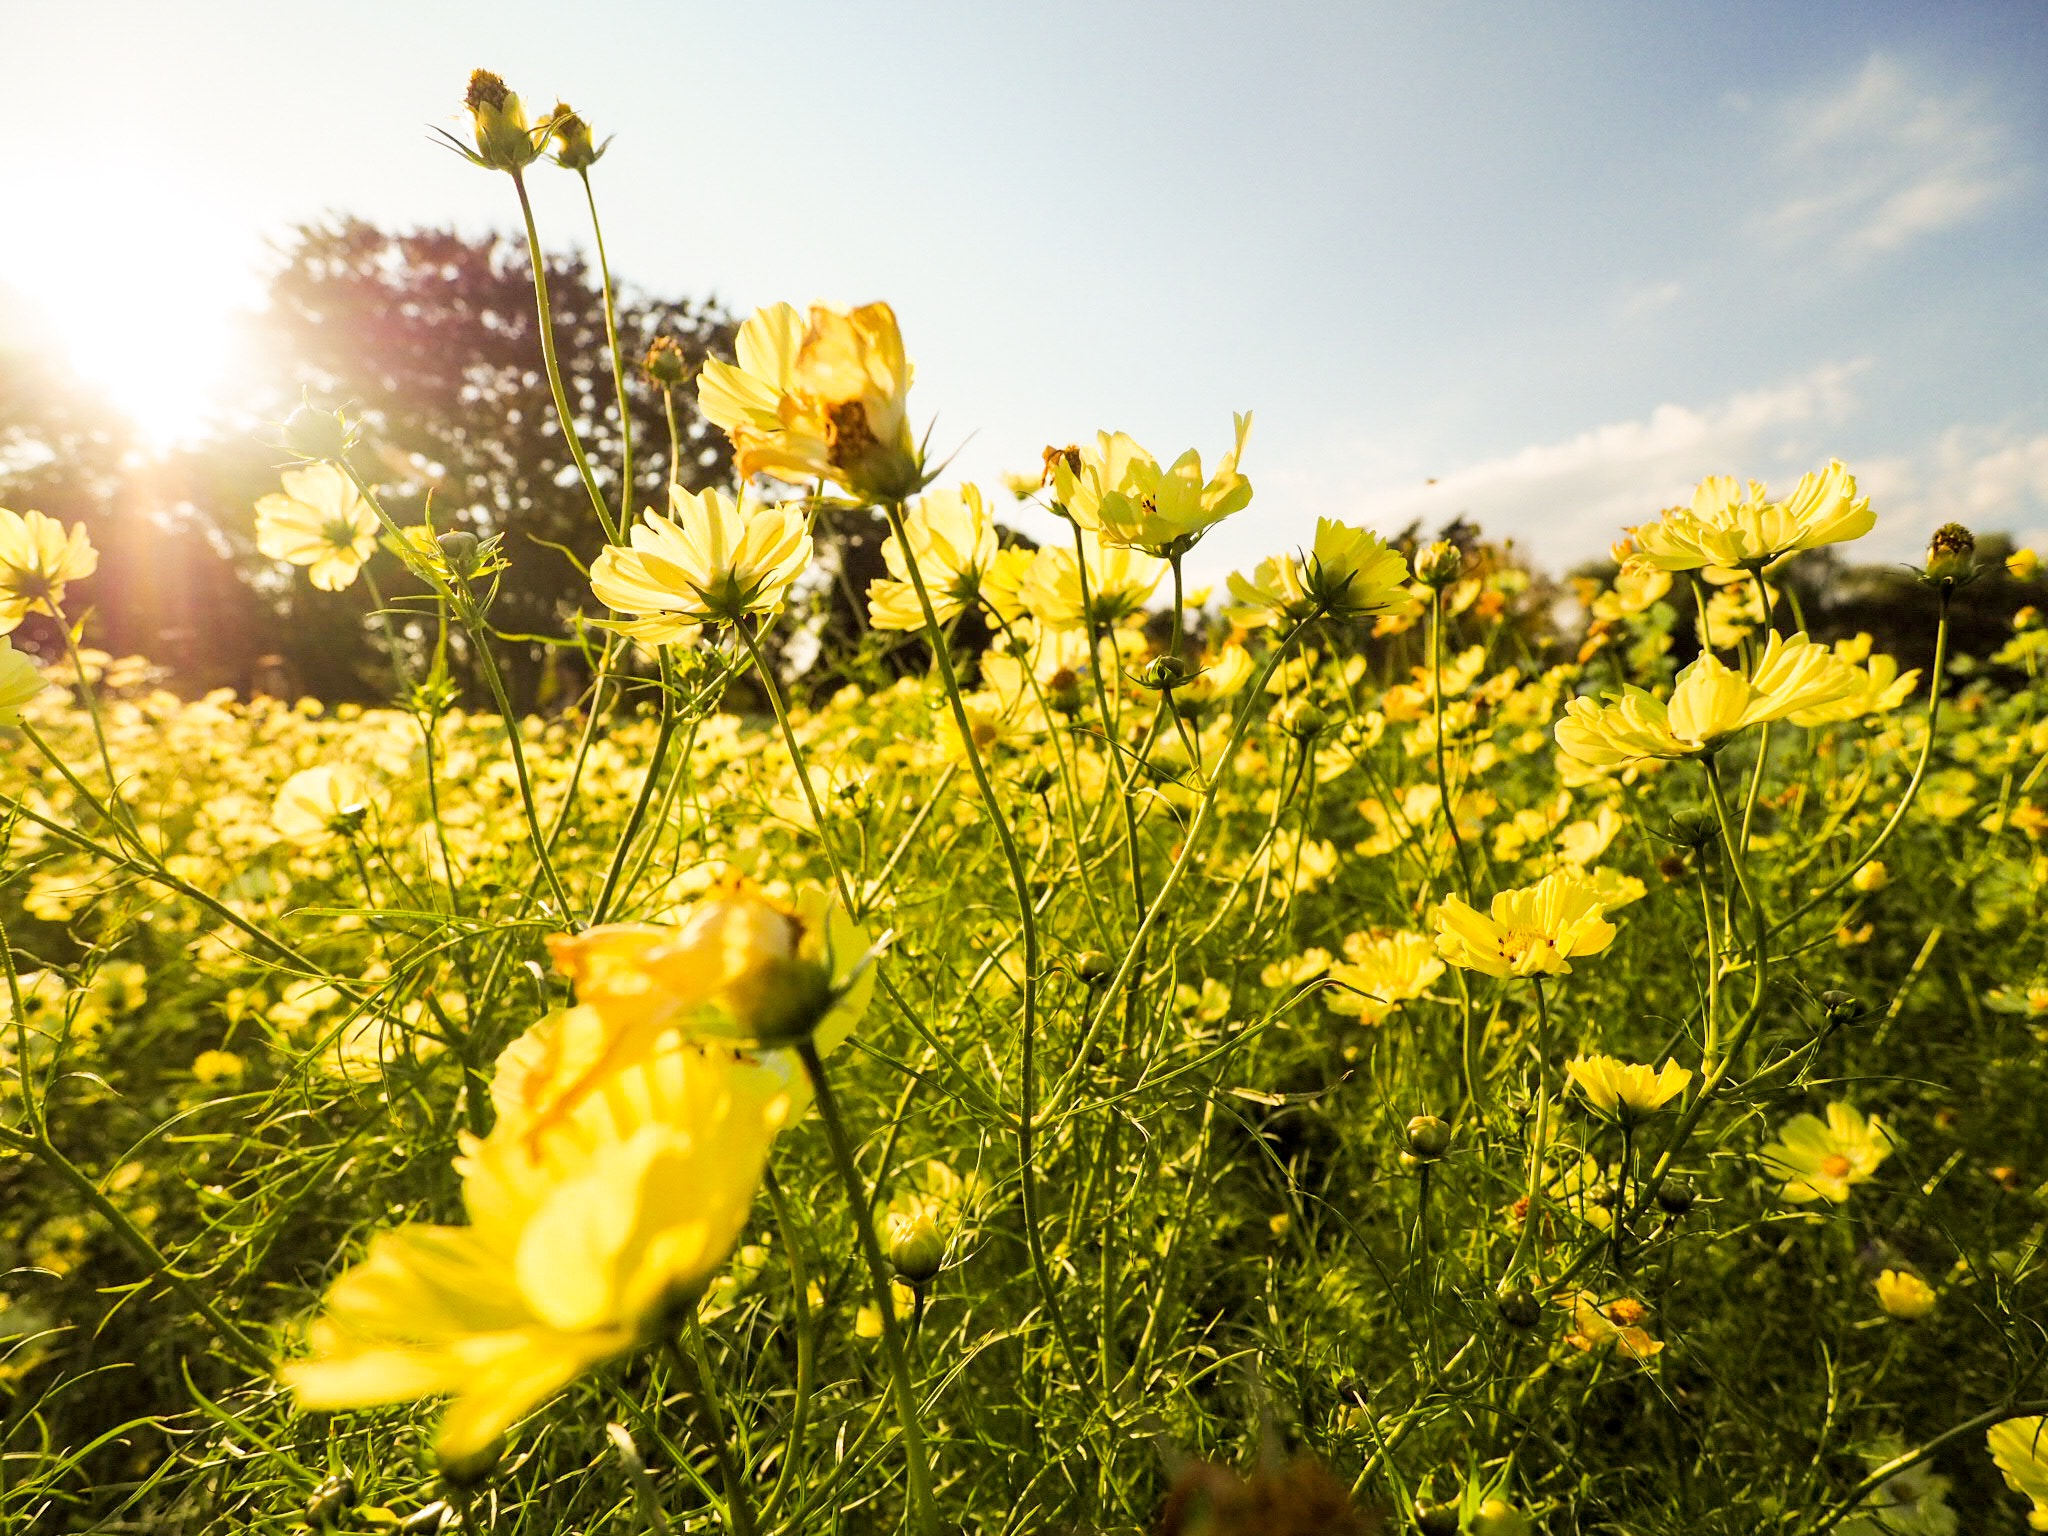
(1841, 1007)
(459, 550)
(427, 1520)
(1428, 1137)
(1438, 565)
(665, 362)
(918, 1251)
(1164, 672)
(1519, 1308)
(1436, 1519)
(1675, 1197)
(316, 434)
(330, 1501)
(1951, 557)
(1692, 826)
(505, 141)
(1304, 721)
(1094, 967)
(1497, 1517)
(574, 150)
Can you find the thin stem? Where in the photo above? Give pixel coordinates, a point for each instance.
(917, 1471)
(797, 762)
(538, 262)
(739, 1514)
(611, 336)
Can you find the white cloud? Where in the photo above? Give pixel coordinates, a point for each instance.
(1566, 501)
(1887, 160)
(1991, 479)
(1639, 303)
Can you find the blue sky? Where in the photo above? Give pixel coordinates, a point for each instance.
(1561, 259)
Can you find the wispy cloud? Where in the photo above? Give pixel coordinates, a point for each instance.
(1991, 479)
(1886, 160)
(1566, 501)
(1650, 298)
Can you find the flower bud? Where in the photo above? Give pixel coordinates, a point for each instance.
(330, 1501)
(1164, 672)
(504, 139)
(1674, 1197)
(1904, 1295)
(918, 1251)
(316, 434)
(574, 150)
(1037, 779)
(1871, 877)
(1428, 1137)
(466, 1472)
(1951, 557)
(459, 550)
(1436, 1519)
(1518, 1306)
(1094, 968)
(1497, 1517)
(427, 1520)
(1841, 1007)
(1692, 826)
(665, 362)
(1438, 565)
(1304, 721)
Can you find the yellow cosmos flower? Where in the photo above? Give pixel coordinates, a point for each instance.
(1616, 1325)
(2020, 1449)
(1880, 687)
(1709, 701)
(1904, 1295)
(1637, 588)
(710, 561)
(37, 558)
(1120, 580)
(1820, 1159)
(20, 681)
(1120, 491)
(1737, 527)
(1349, 573)
(1623, 1090)
(318, 804)
(823, 400)
(953, 536)
(578, 1241)
(318, 520)
(737, 967)
(1535, 931)
(1380, 972)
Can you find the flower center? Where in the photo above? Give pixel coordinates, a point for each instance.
(1834, 1165)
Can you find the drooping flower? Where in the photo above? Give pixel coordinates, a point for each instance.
(1380, 972)
(953, 538)
(1709, 702)
(1904, 1295)
(316, 805)
(37, 559)
(710, 561)
(1349, 573)
(318, 520)
(578, 1239)
(1535, 931)
(20, 681)
(1626, 1091)
(1737, 527)
(823, 400)
(2020, 1449)
(1120, 491)
(1820, 1159)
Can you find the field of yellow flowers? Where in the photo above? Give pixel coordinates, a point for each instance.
(1296, 1059)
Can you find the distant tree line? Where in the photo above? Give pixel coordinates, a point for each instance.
(431, 338)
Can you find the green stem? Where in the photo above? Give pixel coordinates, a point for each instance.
(923, 1514)
(611, 336)
(567, 417)
(739, 1514)
(797, 762)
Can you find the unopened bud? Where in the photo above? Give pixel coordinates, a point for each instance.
(1692, 826)
(1438, 564)
(918, 1251)
(1164, 672)
(1675, 1197)
(665, 362)
(469, 1471)
(1951, 557)
(574, 150)
(1094, 967)
(1842, 1007)
(1304, 721)
(427, 1520)
(316, 434)
(504, 140)
(1518, 1305)
(330, 1501)
(1037, 779)
(459, 550)
(1436, 1519)
(1428, 1137)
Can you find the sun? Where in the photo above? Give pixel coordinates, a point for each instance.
(138, 282)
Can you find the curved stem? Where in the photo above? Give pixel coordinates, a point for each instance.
(917, 1472)
(554, 368)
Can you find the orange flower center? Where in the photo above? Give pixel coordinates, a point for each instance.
(1834, 1165)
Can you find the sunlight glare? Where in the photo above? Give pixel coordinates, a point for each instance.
(138, 282)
